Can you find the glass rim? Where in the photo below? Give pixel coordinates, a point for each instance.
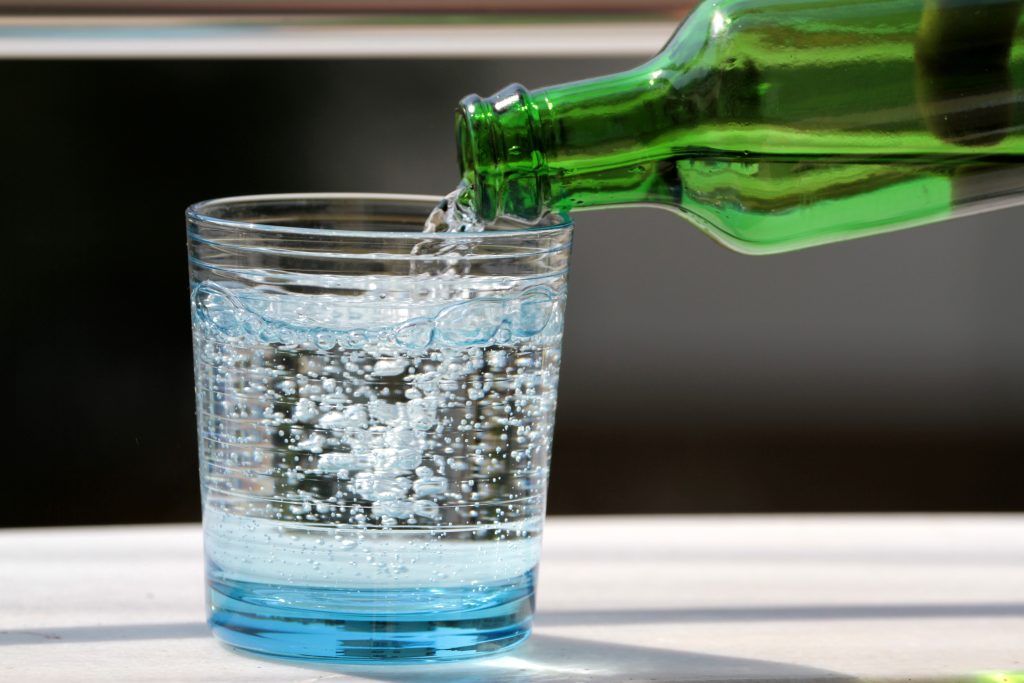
(197, 213)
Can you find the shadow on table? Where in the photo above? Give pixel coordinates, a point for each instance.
(546, 658)
(543, 658)
(778, 613)
(86, 634)
(96, 634)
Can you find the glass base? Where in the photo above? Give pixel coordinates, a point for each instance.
(361, 626)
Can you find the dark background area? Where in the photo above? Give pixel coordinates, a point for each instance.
(881, 374)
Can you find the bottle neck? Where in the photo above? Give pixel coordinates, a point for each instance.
(559, 148)
(501, 154)
(774, 123)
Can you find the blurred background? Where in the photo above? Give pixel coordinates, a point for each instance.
(881, 374)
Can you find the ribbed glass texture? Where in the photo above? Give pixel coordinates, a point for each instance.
(375, 407)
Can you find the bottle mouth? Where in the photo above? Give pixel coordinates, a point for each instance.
(500, 156)
(470, 118)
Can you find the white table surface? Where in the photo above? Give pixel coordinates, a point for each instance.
(674, 598)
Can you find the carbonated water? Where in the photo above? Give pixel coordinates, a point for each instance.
(375, 460)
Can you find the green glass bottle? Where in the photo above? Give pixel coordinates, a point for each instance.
(775, 124)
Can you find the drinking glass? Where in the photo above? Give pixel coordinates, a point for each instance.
(375, 407)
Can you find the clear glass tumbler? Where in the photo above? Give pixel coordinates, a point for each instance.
(375, 408)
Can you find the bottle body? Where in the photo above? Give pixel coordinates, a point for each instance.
(776, 124)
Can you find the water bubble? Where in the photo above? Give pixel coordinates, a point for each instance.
(497, 359)
(304, 411)
(534, 311)
(314, 444)
(215, 305)
(392, 508)
(390, 367)
(356, 339)
(336, 462)
(334, 420)
(427, 508)
(301, 509)
(342, 543)
(402, 437)
(472, 322)
(396, 458)
(457, 465)
(373, 486)
(352, 417)
(325, 341)
(422, 413)
(385, 412)
(430, 486)
(286, 334)
(415, 334)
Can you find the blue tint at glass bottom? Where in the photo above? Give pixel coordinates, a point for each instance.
(365, 626)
